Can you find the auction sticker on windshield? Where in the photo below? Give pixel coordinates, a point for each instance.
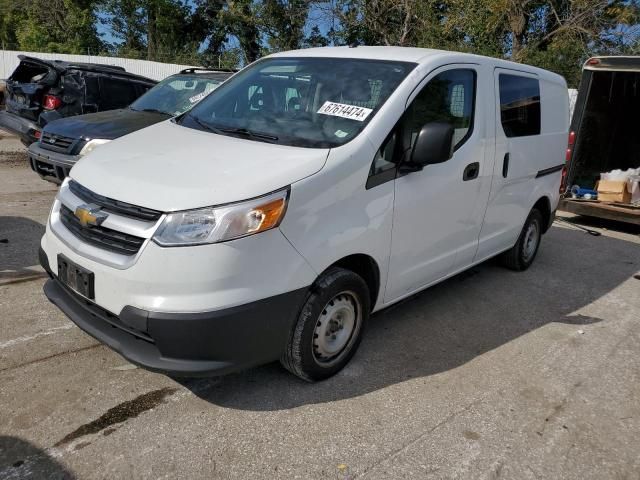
(345, 111)
(198, 97)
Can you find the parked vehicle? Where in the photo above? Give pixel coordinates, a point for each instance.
(605, 132)
(40, 91)
(3, 88)
(309, 190)
(65, 141)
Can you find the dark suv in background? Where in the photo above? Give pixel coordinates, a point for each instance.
(65, 141)
(40, 91)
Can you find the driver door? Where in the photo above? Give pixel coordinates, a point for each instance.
(438, 210)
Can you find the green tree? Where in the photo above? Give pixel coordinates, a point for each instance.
(241, 16)
(125, 19)
(283, 22)
(171, 36)
(554, 34)
(560, 34)
(208, 26)
(476, 26)
(12, 14)
(64, 26)
(376, 22)
(315, 38)
(392, 22)
(153, 29)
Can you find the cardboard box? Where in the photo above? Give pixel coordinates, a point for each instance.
(613, 191)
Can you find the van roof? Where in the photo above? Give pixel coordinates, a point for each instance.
(415, 55)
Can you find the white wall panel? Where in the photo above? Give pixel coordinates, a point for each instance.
(155, 70)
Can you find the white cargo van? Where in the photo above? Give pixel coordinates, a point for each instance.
(311, 189)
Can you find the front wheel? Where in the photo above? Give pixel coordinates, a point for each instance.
(329, 327)
(521, 255)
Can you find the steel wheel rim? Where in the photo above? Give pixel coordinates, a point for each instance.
(336, 328)
(531, 238)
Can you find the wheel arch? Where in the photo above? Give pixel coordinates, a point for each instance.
(365, 266)
(543, 205)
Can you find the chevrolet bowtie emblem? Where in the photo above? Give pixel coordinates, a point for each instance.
(90, 214)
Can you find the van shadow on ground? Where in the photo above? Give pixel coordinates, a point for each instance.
(22, 459)
(19, 242)
(450, 324)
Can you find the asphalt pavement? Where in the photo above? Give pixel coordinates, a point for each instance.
(491, 374)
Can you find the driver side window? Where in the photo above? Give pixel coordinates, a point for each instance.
(448, 98)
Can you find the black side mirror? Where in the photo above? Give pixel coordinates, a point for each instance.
(433, 145)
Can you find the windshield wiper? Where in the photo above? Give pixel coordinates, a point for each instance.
(154, 110)
(234, 131)
(206, 126)
(250, 134)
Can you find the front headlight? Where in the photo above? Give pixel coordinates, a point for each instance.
(220, 224)
(91, 144)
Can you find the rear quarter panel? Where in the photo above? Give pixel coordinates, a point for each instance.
(512, 199)
(553, 145)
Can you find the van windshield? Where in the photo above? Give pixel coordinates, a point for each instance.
(306, 102)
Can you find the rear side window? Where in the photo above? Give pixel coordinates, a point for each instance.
(116, 93)
(519, 105)
(141, 89)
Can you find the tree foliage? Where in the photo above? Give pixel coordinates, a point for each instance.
(65, 26)
(555, 34)
(283, 22)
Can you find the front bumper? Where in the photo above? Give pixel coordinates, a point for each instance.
(186, 344)
(25, 129)
(51, 166)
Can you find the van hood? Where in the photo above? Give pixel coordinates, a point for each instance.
(168, 167)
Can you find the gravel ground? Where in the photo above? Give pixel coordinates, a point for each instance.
(492, 374)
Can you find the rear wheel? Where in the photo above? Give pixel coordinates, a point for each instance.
(329, 327)
(522, 254)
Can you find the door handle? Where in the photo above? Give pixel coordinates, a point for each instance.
(505, 165)
(471, 171)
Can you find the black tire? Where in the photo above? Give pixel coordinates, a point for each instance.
(522, 254)
(335, 289)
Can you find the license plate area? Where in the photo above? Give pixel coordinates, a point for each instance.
(77, 278)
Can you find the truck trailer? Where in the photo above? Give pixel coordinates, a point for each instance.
(604, 135)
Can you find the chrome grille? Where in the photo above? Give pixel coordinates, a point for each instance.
(58, 141)
(102, 237)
